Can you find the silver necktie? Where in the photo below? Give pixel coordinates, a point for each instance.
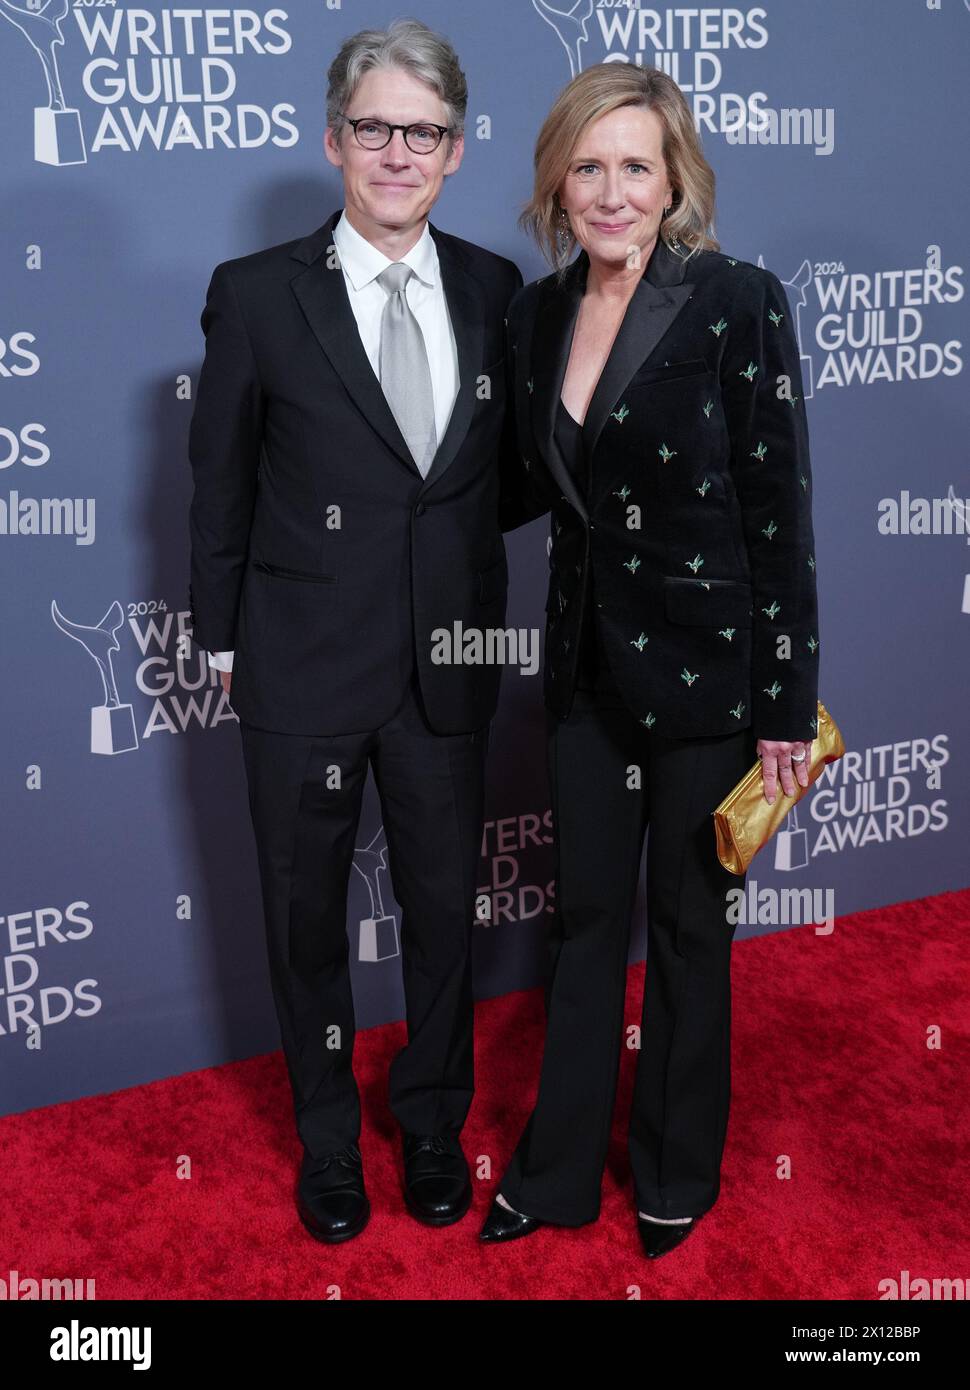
(405, 373)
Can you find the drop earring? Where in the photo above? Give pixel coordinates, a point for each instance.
(562, 232)
(673, 242)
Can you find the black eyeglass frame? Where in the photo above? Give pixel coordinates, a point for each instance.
(355, 121)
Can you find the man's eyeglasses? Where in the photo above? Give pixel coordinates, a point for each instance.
(421, 137)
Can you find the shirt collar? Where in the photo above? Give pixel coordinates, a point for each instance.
(363, 262)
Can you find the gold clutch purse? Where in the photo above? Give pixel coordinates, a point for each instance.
(744, 822)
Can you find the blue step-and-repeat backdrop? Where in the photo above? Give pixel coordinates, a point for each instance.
(141, 145)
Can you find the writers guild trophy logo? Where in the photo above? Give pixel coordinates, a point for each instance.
(795, 293)
(570, 26)
(791, 846)
(960, 511)
(58, 138)
(112, 724)
(378, 932)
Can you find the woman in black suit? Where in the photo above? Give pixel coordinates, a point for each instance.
(660, 415)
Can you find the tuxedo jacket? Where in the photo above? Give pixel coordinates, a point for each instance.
(319, 554)
(695, 528)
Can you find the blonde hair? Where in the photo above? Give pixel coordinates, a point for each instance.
(590, 95)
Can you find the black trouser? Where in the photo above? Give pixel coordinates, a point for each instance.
(682, 1085)
(431, 790)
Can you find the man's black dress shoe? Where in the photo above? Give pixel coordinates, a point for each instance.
(657, 1239)
(503, 1224)
(437, 1185)
(331, 1200)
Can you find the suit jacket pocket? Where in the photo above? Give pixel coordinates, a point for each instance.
(284, 572)
(670, 371)
(707, 602)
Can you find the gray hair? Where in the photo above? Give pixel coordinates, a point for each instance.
(406, 44)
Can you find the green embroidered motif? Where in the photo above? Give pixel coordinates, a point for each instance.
(621, 414)
(623, 493)
(774, 691)
(769, 530)
(811, 563)
(708, 408)
(718, 328)
(696, 563)
(689, 677)
(731, 260)
(775, 318)
(804, 482)
(649, 719)
(812, 643)
(639, 642)
(727, 632)
(703, 487)
(814, 724)
(703, 583)
(632, 564)
(749, 371)
(665, 453)
(792, 400)
(529, 386)
(737, 709)
(774, 610)
(760, 452)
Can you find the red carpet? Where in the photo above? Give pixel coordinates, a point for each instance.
(831, 1067)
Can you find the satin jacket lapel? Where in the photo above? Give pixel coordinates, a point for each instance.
(552, 336)
(467, 314)
(657, 300)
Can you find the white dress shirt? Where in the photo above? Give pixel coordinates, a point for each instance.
(361, 264)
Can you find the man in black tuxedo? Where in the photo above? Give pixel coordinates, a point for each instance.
(346, 441)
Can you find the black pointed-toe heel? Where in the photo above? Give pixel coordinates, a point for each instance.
(658, 1240)
(502, 1224)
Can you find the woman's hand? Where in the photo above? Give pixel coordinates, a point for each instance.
(778, 758)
